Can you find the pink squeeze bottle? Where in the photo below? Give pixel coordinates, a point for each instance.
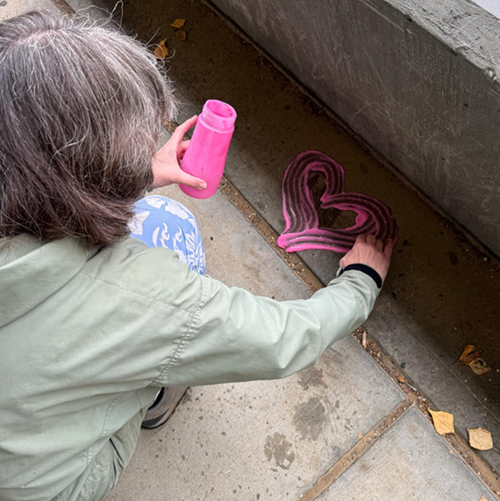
(206, 155)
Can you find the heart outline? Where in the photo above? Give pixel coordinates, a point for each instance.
(302, 230)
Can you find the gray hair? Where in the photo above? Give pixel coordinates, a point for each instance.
(81, 110)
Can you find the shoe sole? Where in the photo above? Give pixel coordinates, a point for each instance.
(159, 414)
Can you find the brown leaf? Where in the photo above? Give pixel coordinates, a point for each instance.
(181, 35)
(480, 439)
(443, 422)
(483, 498)
(161, 52)
(469, 355)
(178, 23)
(402, 379)
(363, 339)
(479, 366)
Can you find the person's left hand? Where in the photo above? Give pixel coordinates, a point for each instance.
(166, 168)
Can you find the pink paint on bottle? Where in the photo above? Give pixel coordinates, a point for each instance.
(206, 155)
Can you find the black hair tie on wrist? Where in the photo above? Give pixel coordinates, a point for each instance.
(367, 270)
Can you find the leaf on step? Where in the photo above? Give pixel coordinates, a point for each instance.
(479, 366)
(402, 379)
(469, 355)
(443, 422)
(483, 498)
(178, 23)
(161, 52)
(480, 439)
(181, 35)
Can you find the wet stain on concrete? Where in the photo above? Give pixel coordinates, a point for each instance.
(310, 418)
(278, 447)
(312, 378)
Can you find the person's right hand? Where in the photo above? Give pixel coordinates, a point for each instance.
(372, 252)
(166, 162)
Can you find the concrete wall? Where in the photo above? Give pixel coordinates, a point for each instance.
(418, 79)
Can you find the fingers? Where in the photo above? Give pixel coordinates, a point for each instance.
(181, 131)
(193, 182)
(371, 240)
(182, 149)
(389, 247)
(386, 247)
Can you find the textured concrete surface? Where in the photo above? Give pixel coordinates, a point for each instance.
(235, 251)
(262, 440)
(441, 293)
(12, 8)
(492, 6)
(409, 462)
(418, 80)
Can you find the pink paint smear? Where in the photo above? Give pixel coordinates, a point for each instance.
(302, 230)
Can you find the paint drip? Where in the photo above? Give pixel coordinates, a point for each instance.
(302, 230)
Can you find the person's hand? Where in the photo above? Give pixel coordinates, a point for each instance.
(372, 252)
(166, 168)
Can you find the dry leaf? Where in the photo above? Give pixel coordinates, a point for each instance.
(178, 23)
(469, 355)
(483, 498)
(480, 439)
(181, 35)
(161, 52)
(402, 379)
(479, 366)
(360, 435)
(443, 422)
(363, 339)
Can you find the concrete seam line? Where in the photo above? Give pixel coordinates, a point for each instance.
(63, 6)
(353, 454)
(299, 268)
(459, 444)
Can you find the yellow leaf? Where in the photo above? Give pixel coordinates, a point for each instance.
(479, 366)
(443, 422)
(469, 355)
(181, 35)
(178, 23)
(483, 498)
(161, 52)
(480, 439)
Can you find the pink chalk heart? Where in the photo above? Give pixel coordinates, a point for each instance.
(302, 230)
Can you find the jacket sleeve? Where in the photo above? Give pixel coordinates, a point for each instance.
(236, 336)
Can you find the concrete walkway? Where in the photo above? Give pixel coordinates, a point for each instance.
(345, 429)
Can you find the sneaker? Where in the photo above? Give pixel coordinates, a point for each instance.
(163, 407)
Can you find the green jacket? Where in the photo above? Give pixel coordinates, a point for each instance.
(88, 335)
